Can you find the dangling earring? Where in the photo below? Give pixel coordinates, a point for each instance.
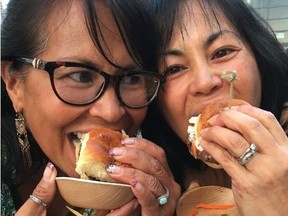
(139, 133)
(23, 139)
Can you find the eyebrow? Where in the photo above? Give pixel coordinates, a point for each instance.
(211, 38)
(216, 35)
(172, 52)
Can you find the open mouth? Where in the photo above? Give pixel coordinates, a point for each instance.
(76, 138)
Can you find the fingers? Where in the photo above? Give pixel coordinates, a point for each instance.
(230, 140)
(232, 133)
(102, 213)
(149, 147)
(44, 192)
(149, 175)
(148, 162)
(150, 203)
(131, 208)
(147, 189)
(141, 160)
(193, 184)
(131, 175)
(268, 120)
(146, 198)
(46, 188)
(251, 128)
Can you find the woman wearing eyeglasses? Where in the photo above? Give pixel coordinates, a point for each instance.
(66, 69)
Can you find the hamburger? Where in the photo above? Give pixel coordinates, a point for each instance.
(92, 153)
(197, 123)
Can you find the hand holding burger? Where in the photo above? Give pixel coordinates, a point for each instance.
(197, 123)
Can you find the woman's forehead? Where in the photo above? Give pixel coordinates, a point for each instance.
(70, 31)
(195, 16)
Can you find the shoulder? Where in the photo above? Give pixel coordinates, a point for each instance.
(7, 203)
(9, 147)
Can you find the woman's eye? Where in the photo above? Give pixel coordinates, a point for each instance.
(173, 70)
(221, 53)
(82, 76)
(132, 80)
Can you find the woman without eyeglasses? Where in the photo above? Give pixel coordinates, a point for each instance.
(200, 40)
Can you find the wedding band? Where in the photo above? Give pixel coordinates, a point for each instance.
(164, 198)
(38, 201)
(248, 155)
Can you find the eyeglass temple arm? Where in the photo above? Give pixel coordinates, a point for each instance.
(36, 63)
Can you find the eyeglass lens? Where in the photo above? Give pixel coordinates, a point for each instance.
(77, 85)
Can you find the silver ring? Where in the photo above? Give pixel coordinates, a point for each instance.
(38, 201)
(164, 198)
(248, 155)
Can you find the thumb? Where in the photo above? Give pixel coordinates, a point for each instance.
(46, 188)
(44, 192)
(193, 184)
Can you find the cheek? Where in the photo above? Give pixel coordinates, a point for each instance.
(249, 85)
(137, 117)
(48, 122)
(166, 104)
(256, 87)
(173, 108)
(46, 116)
(42, 107)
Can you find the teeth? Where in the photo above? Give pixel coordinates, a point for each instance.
(79, 135)
(76, 138)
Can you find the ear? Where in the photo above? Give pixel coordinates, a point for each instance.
(14, 86)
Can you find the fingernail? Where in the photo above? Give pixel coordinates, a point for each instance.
(202, 132)
(116, 151)
(193, 184)
(113, 169)
(212, 120)
(135, 184)
(195, 181)
(48, 170)
(128, 141)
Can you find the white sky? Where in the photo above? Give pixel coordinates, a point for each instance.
(4, 3)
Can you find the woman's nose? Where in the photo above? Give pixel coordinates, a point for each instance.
(205, 81)
(108, 106)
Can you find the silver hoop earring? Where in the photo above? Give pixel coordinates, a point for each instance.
(23, 139)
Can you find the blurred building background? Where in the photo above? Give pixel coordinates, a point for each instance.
(276, 13)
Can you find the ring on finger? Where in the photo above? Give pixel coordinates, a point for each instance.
(248, 155)
(163, 199)
(38, 201)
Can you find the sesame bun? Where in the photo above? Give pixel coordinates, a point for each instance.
(197, 123)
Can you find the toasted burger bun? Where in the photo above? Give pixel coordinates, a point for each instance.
(92, 153)
(197, 123)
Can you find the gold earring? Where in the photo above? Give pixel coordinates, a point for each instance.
(23, 139)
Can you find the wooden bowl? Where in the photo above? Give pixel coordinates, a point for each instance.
(93, 194)
(186, 205)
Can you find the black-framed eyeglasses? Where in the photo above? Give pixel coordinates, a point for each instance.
(79, 84)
